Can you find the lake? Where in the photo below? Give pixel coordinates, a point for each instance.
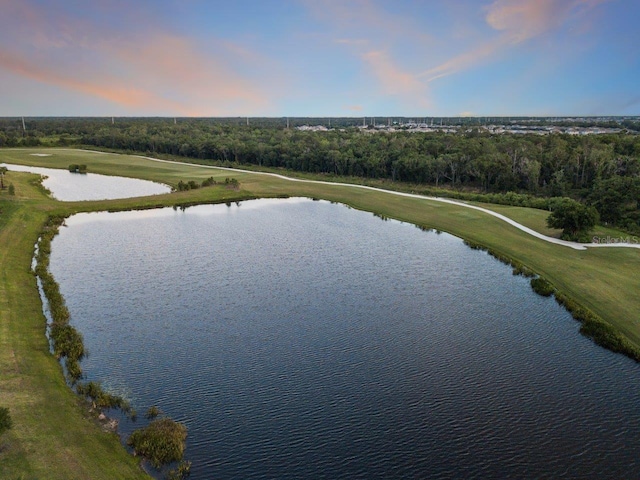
(304, 339)
(69, 187)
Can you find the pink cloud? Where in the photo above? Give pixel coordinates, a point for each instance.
(524, 19)
(138, 70)
(516, 21)
(394, 80)
(370, 31)
(521, 20)
(109, 88)
(168, 60)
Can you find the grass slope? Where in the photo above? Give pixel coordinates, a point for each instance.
(50, 427)
(52, 438)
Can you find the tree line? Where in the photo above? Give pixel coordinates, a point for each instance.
(602, 171)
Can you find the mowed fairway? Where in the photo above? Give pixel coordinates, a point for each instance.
(52, 438)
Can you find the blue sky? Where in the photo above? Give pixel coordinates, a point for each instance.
(319, 57)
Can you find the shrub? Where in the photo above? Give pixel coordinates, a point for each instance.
(542, 287)
(67, 341)
(153, 412)
(75, 168)
(597, 329)
(182, 471)
(606, 336)
(5, 420)
(12, 189)
(518, 268)
(101, 399)
(232, 183)
(74, 371)
(161, 442)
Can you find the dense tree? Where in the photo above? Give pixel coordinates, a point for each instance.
(573, 218)
(615, 197)
(587, 168)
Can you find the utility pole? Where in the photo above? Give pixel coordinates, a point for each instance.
(247, 121)
(112, 121)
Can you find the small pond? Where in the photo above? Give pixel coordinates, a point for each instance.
(301, 339)
(69, 187)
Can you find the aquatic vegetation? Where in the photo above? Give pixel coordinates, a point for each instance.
(542, 287)
(153, 412)
(161, 442)
(66, 341)
(100, 398)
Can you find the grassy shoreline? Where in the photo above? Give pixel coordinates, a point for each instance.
(53, 438)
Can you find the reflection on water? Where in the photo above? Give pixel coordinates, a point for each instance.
(68, 187)
(300, 339)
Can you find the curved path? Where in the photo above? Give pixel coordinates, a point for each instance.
(557, 241)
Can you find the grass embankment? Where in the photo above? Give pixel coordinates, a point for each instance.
(52, 436)
(605, 281)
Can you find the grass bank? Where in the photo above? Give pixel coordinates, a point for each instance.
(48, 418)
(53, 437)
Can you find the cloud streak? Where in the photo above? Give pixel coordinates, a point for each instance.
(517, 21)
(510, 22)
(354, 22)
(522, 20)
(170, 57)
(109, 89)
(393, 79)
(138, 70)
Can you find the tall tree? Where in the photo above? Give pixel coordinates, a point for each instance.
(574, 218)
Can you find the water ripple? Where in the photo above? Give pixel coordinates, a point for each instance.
(298, 339)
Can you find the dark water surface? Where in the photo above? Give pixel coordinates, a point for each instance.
(300, 339)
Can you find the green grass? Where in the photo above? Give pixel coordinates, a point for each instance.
(49, 423)
(537, 220)
(52, 436)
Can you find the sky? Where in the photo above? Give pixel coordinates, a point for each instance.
(320, 58)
